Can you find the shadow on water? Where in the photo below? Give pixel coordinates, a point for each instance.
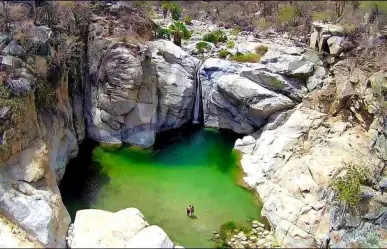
(82, 180)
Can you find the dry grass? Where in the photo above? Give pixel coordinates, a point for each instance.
(261, 50)
(41, 66)
(18, 12)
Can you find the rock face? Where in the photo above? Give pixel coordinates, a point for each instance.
(138, 91)
(292, 164)
(329, 38)
(38, 138)
(242, 96)
(124, 229)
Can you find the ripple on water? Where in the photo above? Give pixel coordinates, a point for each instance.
(197, 169)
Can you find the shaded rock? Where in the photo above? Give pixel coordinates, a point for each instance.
(338, 44)
(13, 49)
(321, 32)
(21, 83)
(383, 183)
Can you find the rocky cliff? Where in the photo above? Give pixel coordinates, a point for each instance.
(113, 91)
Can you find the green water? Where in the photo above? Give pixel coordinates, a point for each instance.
(198, 169)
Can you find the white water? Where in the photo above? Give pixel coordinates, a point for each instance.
(197, 99)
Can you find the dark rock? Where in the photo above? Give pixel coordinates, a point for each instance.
(13, 49)
(2, 138)
(383, 183)
(21, 83)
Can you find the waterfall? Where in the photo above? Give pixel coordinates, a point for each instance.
(197, 98)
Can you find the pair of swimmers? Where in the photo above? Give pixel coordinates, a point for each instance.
(190, 210)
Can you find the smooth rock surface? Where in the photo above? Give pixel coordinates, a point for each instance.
(151, 89)
(124, 229)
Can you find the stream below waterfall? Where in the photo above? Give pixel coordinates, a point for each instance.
(186, 166)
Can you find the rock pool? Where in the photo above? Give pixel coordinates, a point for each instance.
(195, 167)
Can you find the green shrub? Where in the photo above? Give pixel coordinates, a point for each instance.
(235, 31)
(162, 33)
(226, 229)
(374, 5)
(348, 186)
(322, 16)
(288, 13)
(222, 244)
(261, 50)
(223, 53)
(215, 37)
(276, 83)
(179, 32)
(262, 23)
(244, 229)
(248, 57)
(172, 7)
(230, 44)
(188, 20)
(15, 104)
(202, 46)
(175, 11)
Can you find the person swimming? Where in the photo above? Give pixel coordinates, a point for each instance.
(189, 210)
(192, 209)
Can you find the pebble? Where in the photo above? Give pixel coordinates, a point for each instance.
(253, 237)
(244, 242)
(261, 242)
(255, 225)
(217, 236)
(244, 238)
(267, 245)
(232, 240)
(266, 233)
(215, 232)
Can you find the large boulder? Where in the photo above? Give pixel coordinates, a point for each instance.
(138, 91)
(234, 102)
(14, 49)
(30, 197)
(124, 229)
(329, 38)
(21, 82)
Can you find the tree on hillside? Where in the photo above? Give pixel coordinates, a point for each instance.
(340, 8)
(179, 32)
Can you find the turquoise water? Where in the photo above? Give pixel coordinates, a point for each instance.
(199, 169)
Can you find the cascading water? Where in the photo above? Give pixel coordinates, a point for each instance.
(197, 99)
